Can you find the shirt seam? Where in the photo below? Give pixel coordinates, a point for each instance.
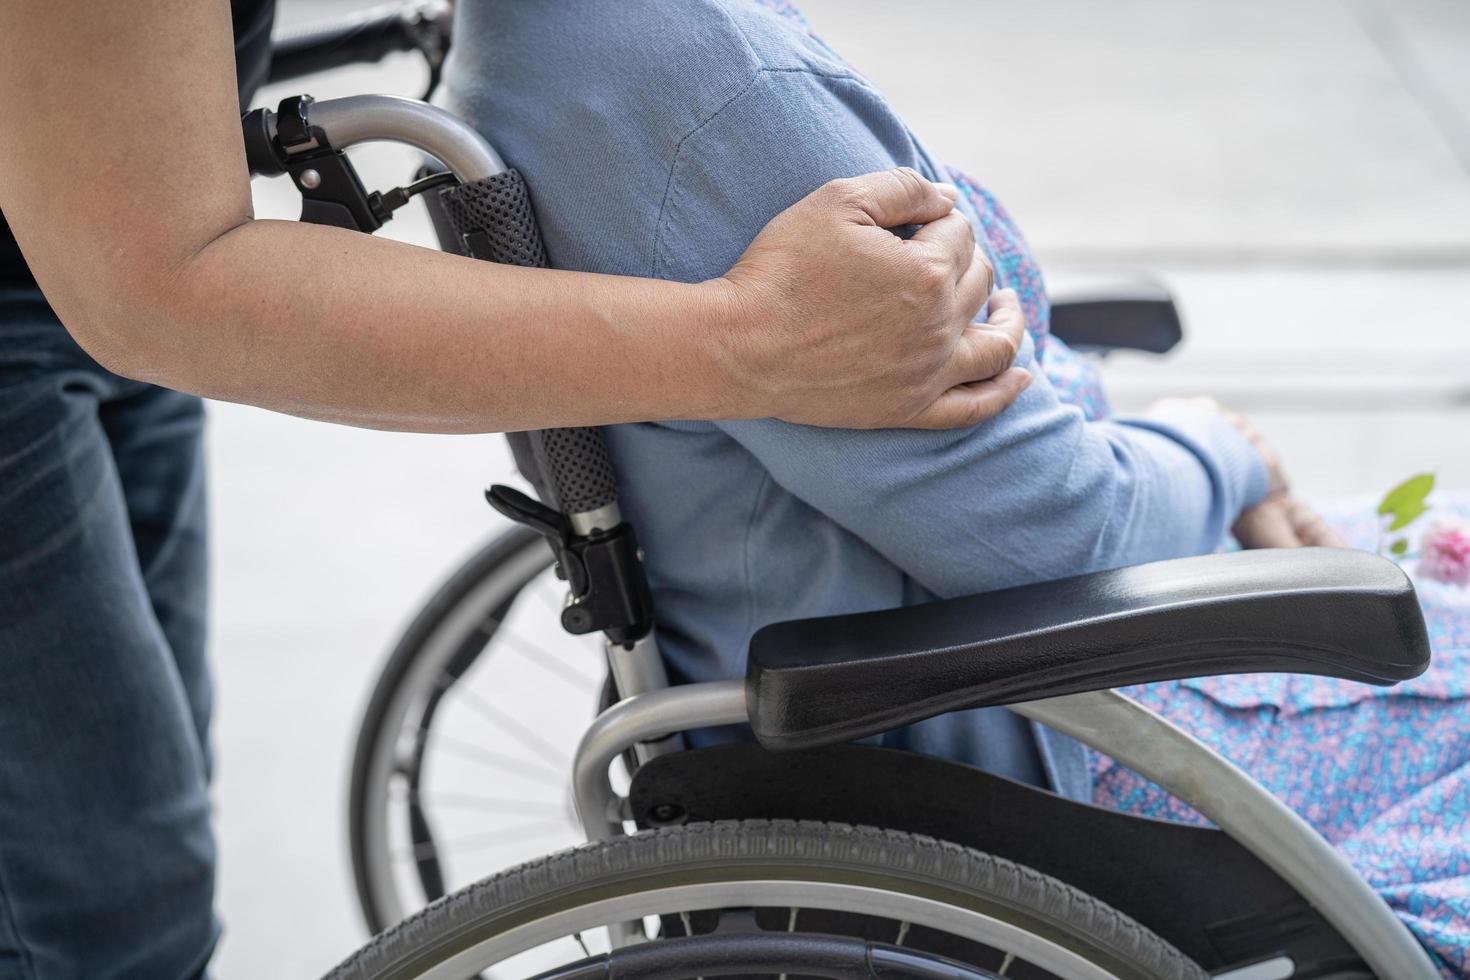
(761, 73)
(755, 62)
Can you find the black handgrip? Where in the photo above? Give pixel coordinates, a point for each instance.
(493, 219)
(365, 37)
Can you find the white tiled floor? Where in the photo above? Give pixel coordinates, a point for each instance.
(1299, 173)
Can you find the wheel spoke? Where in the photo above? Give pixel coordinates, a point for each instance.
(489, 757)
(508, 724)
(790, 927)
(550, 663)
(463, 801)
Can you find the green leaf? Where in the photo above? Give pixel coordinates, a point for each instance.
(1407, 516)
(1405, 502)
(1399, 547)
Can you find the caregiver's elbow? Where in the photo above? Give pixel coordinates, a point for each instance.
(141, 314)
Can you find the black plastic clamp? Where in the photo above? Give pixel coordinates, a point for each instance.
(331, 192)
(603, 570)
(293, 129)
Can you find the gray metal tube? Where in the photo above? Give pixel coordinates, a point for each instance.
(637, 668)
(604, 518)
(642, 718)
(1110, 723)
(1238, 805)
(441, 134)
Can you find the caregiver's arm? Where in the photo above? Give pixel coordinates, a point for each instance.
(122, 174)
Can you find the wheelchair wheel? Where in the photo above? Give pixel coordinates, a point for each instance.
(766, 898)
(461, 759)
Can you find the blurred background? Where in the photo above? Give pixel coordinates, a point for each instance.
(1297, 172)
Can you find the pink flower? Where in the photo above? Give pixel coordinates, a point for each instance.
(1444, 553)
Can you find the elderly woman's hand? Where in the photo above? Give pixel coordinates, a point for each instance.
(850, 325)
(1281, 519)
(1284, 521)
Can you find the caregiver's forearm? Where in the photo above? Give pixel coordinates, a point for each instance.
(468, 347)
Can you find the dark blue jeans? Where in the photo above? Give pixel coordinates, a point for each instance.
(106, 850)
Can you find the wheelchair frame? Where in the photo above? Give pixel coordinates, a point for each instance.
(651, 715)
(1107, 721)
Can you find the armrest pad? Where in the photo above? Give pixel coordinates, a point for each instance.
(1139, 317)
(1324, 611)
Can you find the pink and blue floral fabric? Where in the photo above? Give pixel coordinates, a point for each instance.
(1074, 377)
(1382, 773)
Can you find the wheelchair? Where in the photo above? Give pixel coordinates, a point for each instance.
(798, 850)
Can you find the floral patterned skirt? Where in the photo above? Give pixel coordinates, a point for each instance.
(1382, 773)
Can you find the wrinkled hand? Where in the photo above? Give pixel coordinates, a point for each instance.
(1280, 520)
(846, 324)
(1283, 521)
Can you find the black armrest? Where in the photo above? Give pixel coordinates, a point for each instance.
(1134, 317)
(1311, 611)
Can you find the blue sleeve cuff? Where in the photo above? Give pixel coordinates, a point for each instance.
(1237, 467)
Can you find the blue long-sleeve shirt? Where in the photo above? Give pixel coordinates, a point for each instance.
(658, 138)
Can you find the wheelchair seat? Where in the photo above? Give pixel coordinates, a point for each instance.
(1332, 612)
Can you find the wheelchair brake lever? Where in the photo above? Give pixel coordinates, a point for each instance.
(603, 570)
(331, 191)
(550, 524)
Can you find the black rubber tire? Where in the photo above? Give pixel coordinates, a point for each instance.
(449, 595)
(782, 849)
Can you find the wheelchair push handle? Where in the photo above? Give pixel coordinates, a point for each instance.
(302, 125)
(307, 139)
(485, 214)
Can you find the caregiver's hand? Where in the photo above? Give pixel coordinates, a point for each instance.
(851, 325)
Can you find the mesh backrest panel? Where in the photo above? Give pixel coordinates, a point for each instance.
(495, 221)
(492, 219)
